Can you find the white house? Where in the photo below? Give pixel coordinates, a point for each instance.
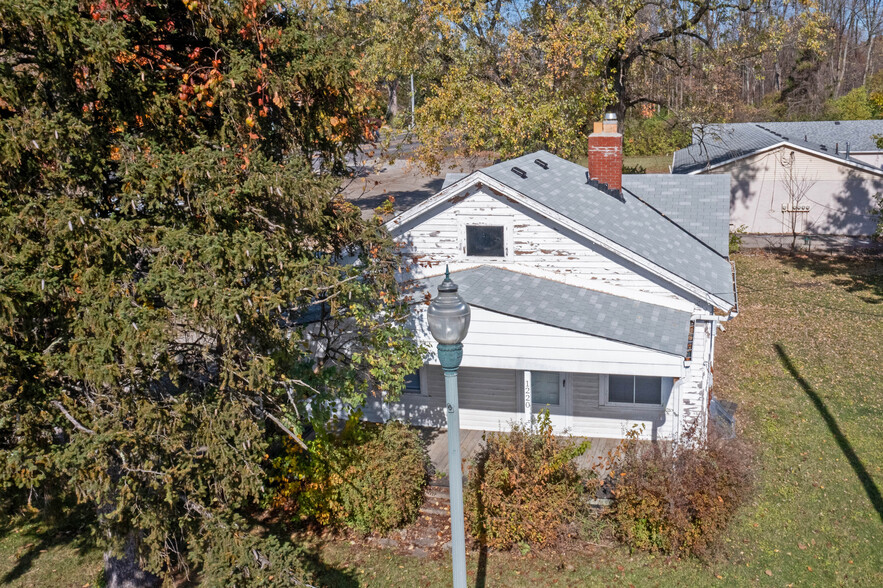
(793, 177)
(598, 300)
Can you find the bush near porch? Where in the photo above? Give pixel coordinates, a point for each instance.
(523, 486)
(679, 499)
(369, 477)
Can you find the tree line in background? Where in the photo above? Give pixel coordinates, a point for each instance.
(510, 76)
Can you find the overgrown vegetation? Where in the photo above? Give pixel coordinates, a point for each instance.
(679, 498)
(368, 477)
(169, 224)
(523, 486)
(736, 238)
(659, 134)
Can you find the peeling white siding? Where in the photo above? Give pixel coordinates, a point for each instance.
(532, 243)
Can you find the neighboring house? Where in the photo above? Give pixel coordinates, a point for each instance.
(793, 177)
(597, 302)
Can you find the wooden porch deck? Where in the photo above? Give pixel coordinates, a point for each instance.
(471, 441)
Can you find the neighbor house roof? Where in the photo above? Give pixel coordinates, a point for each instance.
(644, 218)
(716, 144)
(571, 307)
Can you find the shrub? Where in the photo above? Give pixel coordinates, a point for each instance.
(523, 486)
(736, 238)
(678, 499)
(368, 477)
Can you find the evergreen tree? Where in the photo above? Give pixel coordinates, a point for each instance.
(167, 239)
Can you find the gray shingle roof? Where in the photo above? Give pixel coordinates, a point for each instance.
(452, 177)
(722, 142)
(700, 208)
(628, 221)
(571, 307)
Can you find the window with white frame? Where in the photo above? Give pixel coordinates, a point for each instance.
(485, 241)
(545, 388)
(635, 390)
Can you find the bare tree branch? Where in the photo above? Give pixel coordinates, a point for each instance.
(70, 417)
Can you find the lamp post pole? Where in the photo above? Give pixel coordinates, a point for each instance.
(448, 316)
(449, 356)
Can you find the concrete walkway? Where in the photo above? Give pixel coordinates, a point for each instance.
(813, 243)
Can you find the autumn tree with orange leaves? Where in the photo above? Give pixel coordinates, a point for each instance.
(170, 230)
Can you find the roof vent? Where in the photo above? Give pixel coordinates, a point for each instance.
(804, 138)
(785, 138)
(823, 148)
(836, 122)
(519, 172)
(541, 163)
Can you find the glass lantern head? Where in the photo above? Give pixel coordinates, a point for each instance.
(448, 314)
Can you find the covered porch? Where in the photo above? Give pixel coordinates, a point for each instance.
(471, 441)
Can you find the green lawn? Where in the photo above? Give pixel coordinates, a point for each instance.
(804, 360)
(654, 164)
(35, 555)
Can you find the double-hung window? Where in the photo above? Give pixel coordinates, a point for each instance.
(636, 390)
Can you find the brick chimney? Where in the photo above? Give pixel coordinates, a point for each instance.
(605, 153)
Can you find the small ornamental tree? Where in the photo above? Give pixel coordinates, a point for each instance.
(167, 239)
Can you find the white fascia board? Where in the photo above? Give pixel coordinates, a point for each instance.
(820, 154)
(408, 215)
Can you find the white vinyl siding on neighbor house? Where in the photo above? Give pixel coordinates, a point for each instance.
(837, 196)
(530, 242)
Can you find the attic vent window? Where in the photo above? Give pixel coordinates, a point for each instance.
(541, 163)
(519, 172)
(484, 241)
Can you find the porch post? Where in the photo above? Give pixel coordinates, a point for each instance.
(528, 399)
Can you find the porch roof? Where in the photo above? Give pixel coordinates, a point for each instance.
(571, 307)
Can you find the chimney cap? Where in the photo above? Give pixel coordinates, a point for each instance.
(609, 116)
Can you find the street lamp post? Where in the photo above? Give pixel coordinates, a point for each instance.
(448, 317)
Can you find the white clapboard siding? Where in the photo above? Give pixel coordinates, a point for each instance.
(694, 386)
(531, 240)
(499, 341)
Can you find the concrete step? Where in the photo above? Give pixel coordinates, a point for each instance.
(428, 510)
(436, 493)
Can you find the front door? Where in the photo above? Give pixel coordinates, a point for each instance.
(549, 392)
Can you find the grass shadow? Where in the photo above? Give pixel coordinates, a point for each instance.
(859, 274)
(44, 533)
(861, 471)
